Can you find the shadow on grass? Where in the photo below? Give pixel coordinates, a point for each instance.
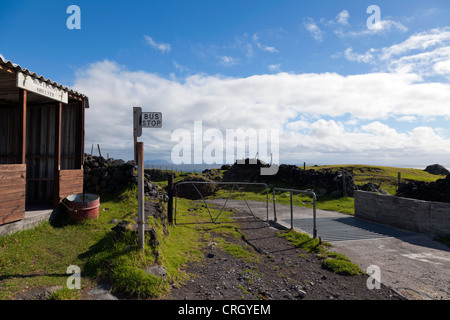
(24, 276)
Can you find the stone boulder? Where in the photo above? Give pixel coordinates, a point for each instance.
(436, 169)
(188, 190)
(157, 174)
(429, 191)
(372, 187)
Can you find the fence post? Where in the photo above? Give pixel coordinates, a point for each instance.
(274, 206)
(170, 203)
(141, 219)
(344, 188)
(292, 211)
(314, 216)
(399, 178)
(99, 152)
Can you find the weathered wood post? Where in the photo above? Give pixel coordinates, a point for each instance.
(344, 187)
(140, 120)
(292, 210)
(170, 203)
(141, 219)
(99, 151)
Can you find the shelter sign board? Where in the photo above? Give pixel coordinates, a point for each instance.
(41, 87)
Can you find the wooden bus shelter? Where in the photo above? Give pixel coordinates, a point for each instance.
(41, 142)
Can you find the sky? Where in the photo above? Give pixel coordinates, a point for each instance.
(338, 82)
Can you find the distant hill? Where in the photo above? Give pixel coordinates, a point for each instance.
(157, 161)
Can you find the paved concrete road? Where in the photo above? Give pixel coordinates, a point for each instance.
(410, 263)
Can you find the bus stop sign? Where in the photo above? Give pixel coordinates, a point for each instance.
(151, 119)
(145, 120)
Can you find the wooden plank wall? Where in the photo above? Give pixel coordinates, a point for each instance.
(69, 134)
(70, 182)
(40, 152)
(9, 135)
(12, 192)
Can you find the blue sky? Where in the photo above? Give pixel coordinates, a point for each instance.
(338, 91)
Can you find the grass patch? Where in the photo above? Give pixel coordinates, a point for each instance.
(333, 261)
(40, 257)
(304, 242)
(239, 252)
(341, 266)
(65, 294)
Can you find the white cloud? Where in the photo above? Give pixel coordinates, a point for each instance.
(163, 47)
(425, 54)
(442, 67)
(270, 49)
(406, 119)
(366, 57)
(342, 17)
(271, 101)
(179, 67)
(418, 41)
(227, 61)
(298, 125)
(263, 47)
(274, 67)
(380, 27)
(379, 129)
(376, 143)
(313, 29)
(323, 129)
(387, 25)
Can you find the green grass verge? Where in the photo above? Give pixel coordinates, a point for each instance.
(336, 262)
(39, 257)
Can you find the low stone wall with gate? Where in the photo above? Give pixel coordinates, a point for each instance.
(420, 216)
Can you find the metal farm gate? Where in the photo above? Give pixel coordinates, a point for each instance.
(235, 186)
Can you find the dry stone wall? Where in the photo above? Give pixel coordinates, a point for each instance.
(112, 176)
(324, 182)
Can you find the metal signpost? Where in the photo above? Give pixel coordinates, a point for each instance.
(142, 120)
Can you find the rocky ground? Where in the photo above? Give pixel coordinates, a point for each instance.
(281, 272)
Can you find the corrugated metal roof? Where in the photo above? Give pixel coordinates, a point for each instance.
(16, 67)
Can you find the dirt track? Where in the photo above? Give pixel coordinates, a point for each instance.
(411, 263)
(281, 272)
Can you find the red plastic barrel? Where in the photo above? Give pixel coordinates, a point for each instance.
(82, 206)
